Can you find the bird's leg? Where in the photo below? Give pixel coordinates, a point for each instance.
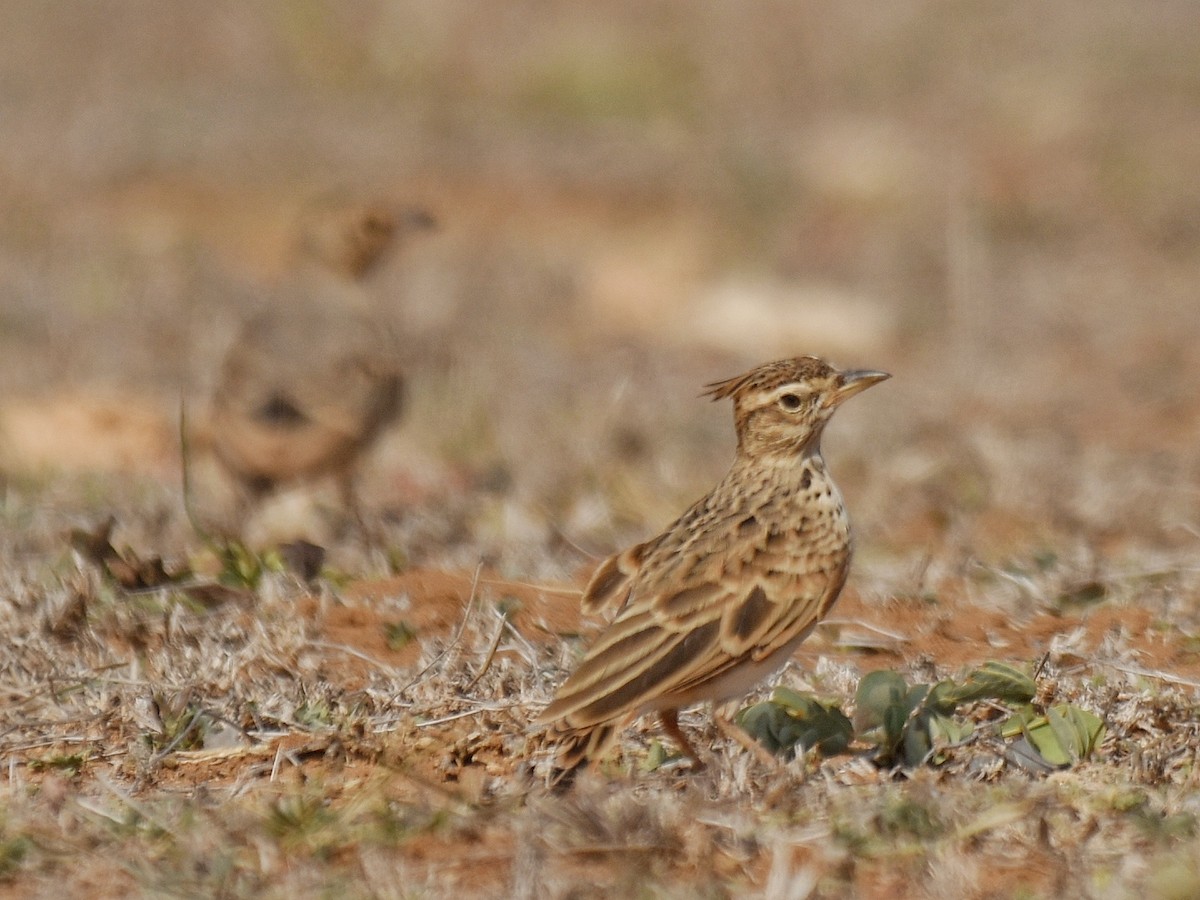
(348, 495)
(371, 532)
(738, 735)
(349, 498)
(670, 724)
(249, 494)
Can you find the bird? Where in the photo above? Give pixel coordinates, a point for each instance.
(722, 597)
(313, 379)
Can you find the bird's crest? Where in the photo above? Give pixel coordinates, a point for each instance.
(768, 377)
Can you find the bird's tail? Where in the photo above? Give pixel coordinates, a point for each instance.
(576, 747)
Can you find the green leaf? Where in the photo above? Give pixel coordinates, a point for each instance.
(824, 727)
(1018, 722)
(946, 731)
(1079, 732)
(994, 681)
(765, 723)
(1037, 731)
(879, 694)
(791, 719)
(916, 697)
(931, 727)
(1022, 754)
(785, 696)
(1066, 734)
(942, 698)
(943, 732)
(1046, 741)
(884, 704)
(915, 723)
(656, 756)
(917, 744)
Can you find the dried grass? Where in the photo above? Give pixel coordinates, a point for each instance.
(1027, 491)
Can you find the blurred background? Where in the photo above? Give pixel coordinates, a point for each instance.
(998, 203)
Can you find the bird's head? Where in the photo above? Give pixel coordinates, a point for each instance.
(780, 409)
(352, 238)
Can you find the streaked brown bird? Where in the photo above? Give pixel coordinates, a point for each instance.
(314, 379)
(726, 593)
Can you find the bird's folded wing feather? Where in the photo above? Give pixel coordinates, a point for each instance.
(682, 625)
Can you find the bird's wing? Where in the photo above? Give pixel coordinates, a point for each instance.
(690, 618)
(608, 590)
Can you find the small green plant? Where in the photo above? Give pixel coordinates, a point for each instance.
(398, 634)
(790, 720)
(314, 714)
(656, 757)
(183, 727)
(70, 764)
(242, 567)
(911, 725)
(12, 853)
(394, 822)
(299, 818)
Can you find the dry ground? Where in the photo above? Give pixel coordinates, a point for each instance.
(997, 204)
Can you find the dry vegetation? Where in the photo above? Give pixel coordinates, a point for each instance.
(996, 203)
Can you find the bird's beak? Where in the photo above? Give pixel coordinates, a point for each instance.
(855, 382)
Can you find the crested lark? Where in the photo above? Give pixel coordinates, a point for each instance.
(722, 597)
(314, 379)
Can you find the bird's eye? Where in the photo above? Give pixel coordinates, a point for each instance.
(790, 402)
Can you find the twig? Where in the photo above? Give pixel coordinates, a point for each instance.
(530, 652)
(490, 707)
(574, 545)
(53, 688)
(1148, 673)
(185, 472)
(134, 805)
(598, 849)
(1041, 666)
(462, 626)
(867, 626)
(50, 741)
(178, 739)
(491, 654)
(358, 654)
(545, 589)
(93, 807)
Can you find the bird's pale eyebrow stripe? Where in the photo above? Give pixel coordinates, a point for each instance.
(800, 389)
